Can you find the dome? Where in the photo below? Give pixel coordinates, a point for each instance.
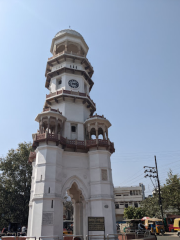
(68, 31)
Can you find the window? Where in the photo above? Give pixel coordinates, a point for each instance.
(126, 205)
(116, 205)
(52, 204)
(73, 129)
(135, 204)
(59, 81)
(131, 193)
(118, 195)
(49, 190)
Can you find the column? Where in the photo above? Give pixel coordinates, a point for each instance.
(97, 134)
(56, 125)
(66, 46)
(78, 218)
(48, 123)
(103, 135)
(107, 134)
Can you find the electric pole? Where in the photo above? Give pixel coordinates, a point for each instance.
(154, 171)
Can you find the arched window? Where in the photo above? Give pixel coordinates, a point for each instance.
(93, 133)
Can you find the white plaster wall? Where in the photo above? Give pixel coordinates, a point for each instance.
(60, 169)
(69, 64)
(64, 85)
(101, 191)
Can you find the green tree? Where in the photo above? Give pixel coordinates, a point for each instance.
(170, 194)
(15, 185)
(134, 213)
(68, 208)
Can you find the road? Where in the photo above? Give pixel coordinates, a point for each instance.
(168, 236)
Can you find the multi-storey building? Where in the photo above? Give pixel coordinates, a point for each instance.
(127, 196)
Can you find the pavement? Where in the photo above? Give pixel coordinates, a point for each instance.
(168, 236)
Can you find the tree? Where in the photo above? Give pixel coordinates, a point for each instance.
(170, 194)
(134, 213)
(68, 208)
(15, 185)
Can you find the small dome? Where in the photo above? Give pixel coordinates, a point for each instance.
(68, 31)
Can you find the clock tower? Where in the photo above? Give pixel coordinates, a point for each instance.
(72, 147)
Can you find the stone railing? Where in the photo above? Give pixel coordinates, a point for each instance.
(51, 109)
(97, 116)
(67, 52)
(62, 91)
(74, 143)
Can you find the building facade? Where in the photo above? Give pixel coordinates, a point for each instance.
(72, 147)
(126, 197)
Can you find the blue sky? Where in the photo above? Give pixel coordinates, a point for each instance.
(134, 47)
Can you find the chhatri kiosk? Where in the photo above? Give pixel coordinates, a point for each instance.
(72, 146)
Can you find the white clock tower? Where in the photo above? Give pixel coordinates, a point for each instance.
(72, 146)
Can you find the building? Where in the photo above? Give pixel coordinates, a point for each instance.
(127, 196)
(67, 159)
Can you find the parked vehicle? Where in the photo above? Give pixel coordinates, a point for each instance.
(159, 227)
(176, 225)
(67, 227)
(155, 226)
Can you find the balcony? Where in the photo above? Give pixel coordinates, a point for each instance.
(74, 144)
(73, 93)
(74, 55)
(66, 52)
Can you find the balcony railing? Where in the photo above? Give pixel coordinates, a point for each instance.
(67, 52)
(51, 109)
(76, 144)
(62, 91)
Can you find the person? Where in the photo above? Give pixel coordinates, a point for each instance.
(141, 227)
(24, 229)
(5, 229)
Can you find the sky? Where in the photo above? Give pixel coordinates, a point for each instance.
(134, 48)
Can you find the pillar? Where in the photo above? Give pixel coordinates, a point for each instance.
(48, 123)
(56, 125)
(66, 45)
(103, 135)
(96, 133)
(78, 218)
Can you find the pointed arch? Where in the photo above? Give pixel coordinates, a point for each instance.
(75, 179)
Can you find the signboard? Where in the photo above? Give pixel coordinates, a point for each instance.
(96, 224)
(47, 218)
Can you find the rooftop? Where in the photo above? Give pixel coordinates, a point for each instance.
(68, 31)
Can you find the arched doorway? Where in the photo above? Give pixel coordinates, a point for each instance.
(77, 200)
(78, 192)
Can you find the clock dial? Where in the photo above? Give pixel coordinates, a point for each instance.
(73, 83)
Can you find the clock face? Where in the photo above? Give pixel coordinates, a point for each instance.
(73, 83)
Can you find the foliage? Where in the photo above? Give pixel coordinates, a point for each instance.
(68, 208)
(133, 213)
(170, 194)
(15, 185)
